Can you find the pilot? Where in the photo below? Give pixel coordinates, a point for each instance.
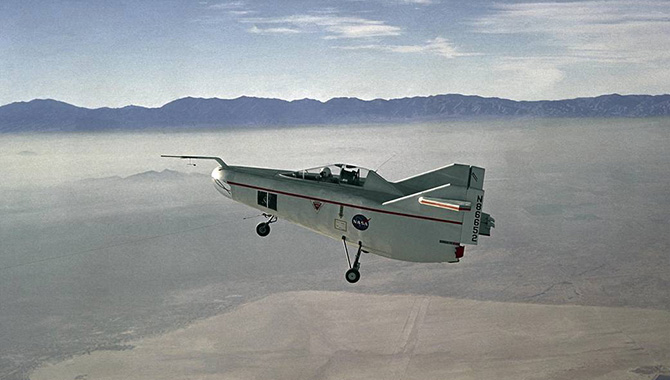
(326, 174)
(357, 177)
(347, 176)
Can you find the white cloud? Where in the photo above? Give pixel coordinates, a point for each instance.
(256, 30)
(619, 31)
(438, 46)
(334, 26)
(420, 2)
(227, 5)
(221, 12)
(362, 30)
(415, 2)
(527, 77)
(240, 13)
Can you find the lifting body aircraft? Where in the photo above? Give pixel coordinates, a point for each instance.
(424, 218)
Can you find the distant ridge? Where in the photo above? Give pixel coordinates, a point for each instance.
(147, 176)
(53, 115)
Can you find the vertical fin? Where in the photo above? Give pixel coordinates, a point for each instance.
(475, 195)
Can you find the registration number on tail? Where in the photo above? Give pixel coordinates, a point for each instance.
(478, 217)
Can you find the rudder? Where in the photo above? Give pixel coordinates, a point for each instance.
(472, 220)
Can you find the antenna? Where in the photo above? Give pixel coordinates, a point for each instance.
(383, 163)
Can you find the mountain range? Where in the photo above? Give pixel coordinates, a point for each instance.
(53, 115)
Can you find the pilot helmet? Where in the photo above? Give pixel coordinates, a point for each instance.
(325, 172)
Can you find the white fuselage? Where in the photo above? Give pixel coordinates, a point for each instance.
(411, 233)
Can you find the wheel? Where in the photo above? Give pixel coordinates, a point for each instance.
(353, 275)
(263, 229)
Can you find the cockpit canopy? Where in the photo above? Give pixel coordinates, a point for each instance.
(335, 173)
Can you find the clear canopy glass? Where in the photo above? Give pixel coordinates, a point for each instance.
(334, 173)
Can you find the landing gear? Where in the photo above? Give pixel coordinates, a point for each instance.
(263, 228)
(353, 274)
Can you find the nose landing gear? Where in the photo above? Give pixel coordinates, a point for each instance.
(263, 228)
(353, 274)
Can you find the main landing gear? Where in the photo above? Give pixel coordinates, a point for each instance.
(353, 274)
(263, 228)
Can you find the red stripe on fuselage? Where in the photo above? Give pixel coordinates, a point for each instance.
(345, 204)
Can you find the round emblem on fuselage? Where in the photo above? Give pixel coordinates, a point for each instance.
(360, 222)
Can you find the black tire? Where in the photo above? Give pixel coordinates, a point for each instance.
(263, 229)
(352, 276)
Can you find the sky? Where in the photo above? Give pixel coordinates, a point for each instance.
(95, 53)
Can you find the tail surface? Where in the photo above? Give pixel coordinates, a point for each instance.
(472, 219)
(455, 188)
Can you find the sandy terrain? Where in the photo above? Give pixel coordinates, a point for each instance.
(314, 335)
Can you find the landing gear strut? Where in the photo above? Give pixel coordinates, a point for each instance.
(263, 228)
(353, 274)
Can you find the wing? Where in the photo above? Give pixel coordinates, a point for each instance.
(217, 159)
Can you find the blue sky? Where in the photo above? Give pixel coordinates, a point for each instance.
(114, 53)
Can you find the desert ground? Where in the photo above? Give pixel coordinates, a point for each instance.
(339, 335)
